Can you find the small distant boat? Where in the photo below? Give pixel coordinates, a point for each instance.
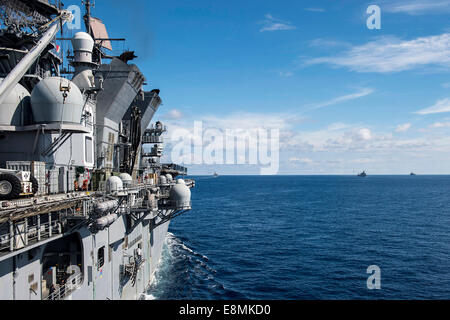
(412, 174)
(215, 175)
(362, 174)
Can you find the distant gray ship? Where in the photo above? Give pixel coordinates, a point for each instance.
(362, 174)
(84, 206)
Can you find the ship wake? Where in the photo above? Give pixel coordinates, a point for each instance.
(183, 274)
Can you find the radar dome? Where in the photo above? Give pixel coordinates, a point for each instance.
(126, 179)
(181, 194)
(82, 41)
(82, 44)
(49, 103)
(15, 107)
(114, 184)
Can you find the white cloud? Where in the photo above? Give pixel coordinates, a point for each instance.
(249, 120)
(403, 127)
(446, 85)
(335, 137)
(362, 93)
(438, 125)
(339, 146)
(174, 114)
(273, 24)
(419, 6)
(389, 54)
(364, 134)
(327, 43)
(439, 107)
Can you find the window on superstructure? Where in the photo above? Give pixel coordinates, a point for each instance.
(100, 257)
(88, 150)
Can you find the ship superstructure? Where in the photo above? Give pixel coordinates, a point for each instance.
(84, 207)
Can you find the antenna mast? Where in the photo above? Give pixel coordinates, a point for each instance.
(87, 17)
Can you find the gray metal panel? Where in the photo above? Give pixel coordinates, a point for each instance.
(148, 107)
(102, 275)
(153, 101)
(14, 109)
(117, 230)
(62, 180)
(28, 277)
(53, 181)
(121, 84)
(6, 279)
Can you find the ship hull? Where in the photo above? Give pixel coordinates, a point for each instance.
(101, 257)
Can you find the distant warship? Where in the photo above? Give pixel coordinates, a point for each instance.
(362, 174)
(84, 205)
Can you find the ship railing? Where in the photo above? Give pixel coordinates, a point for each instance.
(177, 205)
(152, 139)
(63, 291)
(48, 230)
(21, 235)
(175, 167)
(41, 200)
(82, 211)
(133, 186)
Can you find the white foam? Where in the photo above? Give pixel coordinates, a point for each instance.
(147, 297)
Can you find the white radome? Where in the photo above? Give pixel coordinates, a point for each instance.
(49, 104)
(82, 41)
(181, 194)
(14, 105)
(114, 184)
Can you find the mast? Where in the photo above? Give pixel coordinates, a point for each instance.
(87, 17)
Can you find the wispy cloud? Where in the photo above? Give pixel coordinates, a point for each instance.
(419, 7)
(327, 43)
(389, 54)
(439, 107)
(438, 125)
(446, 85)
(173, 114)
(273, 24)
(362, 93)
(403, 127)
(337, 145)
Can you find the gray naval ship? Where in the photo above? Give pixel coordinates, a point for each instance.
(85, 201)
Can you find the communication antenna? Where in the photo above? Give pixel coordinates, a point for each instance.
(88, 5)
(62, 33)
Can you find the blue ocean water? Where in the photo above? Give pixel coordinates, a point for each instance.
(309, 237)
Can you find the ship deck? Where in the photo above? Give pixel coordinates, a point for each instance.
(31, 222)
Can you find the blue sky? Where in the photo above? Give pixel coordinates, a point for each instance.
(345, 98)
